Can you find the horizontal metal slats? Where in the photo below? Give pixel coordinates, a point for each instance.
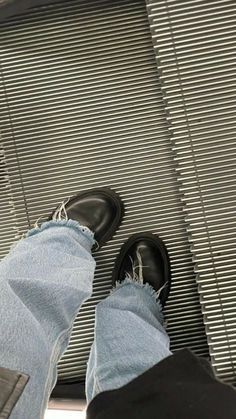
(8, 221)
(84, 106)
(195, 49)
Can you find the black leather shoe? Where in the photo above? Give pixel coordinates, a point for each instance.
(101, 210)
(144, 257)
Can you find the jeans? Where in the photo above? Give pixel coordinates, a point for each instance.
(43, 282)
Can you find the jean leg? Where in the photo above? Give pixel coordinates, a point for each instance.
(43, 282)
(129, 338)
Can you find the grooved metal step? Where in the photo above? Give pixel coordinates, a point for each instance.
(195, 46)
(81, 106)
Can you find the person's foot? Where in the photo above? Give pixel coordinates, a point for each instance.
(101, 210)
(144, 258)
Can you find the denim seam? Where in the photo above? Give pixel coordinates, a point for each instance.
(54, 357)
(97, 387)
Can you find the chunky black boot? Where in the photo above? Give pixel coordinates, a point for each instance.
(144, 258)
(101, 210)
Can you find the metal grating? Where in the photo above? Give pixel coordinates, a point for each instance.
(82, 107)
(8, 221)
(195, 47)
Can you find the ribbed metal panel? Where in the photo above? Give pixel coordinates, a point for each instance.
(8, 222)
(195, 46)
(82, 107)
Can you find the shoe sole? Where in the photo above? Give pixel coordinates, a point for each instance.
(161, 247)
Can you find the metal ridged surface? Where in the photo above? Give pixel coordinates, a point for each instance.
(82, 107)
(8, 221)
(195, 46)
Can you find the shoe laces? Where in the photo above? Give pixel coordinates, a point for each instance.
(138, 277)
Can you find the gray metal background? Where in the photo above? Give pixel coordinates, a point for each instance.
(195, 46)
(82, 106)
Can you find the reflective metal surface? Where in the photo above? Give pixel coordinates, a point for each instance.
(195, 49)
(82, 106)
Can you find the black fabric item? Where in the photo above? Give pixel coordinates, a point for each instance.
(182, 386)
(154, 260)
(12, 384)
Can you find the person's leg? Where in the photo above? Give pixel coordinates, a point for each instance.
(129, 338)
(129, 333)
(43, 282)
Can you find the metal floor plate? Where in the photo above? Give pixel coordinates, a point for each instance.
(195, 45)
(82, 107)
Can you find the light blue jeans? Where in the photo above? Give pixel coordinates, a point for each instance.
(43, 282)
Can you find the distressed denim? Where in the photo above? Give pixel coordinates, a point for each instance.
(43, 282)
(129, 338)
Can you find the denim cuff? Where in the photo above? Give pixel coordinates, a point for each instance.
(75, 225)
(145, 288)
